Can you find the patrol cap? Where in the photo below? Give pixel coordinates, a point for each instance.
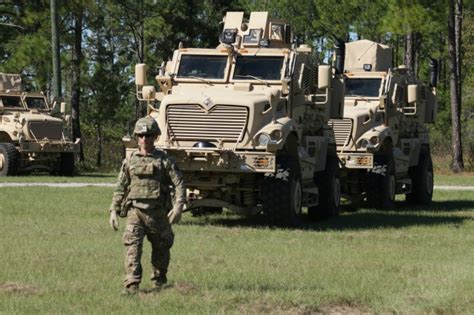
(146, 125)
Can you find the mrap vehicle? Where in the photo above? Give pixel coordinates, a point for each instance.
(382, 141)
(247, 122)
(34, 135)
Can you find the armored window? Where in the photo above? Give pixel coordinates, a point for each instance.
(258, 68)
(202, 67)
(36, 103)
(11, 101)
(363, 87)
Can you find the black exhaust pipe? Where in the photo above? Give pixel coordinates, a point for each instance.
(433, 72)
(340, 50)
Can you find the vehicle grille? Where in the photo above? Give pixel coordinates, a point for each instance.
(192, 122)
(342, 130)
(45, 129)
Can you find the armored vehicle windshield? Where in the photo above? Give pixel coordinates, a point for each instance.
(11, 101)
(258, 67)
(202, 66)
(363, 87)
(36, 103)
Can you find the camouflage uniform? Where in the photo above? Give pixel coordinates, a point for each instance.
(144, 180)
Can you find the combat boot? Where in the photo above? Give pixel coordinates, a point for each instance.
(131, 289)
(160, 281)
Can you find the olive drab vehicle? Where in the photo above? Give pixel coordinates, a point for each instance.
(33, 134)
(382, 141)
(248, 122)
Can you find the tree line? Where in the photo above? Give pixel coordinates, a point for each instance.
(101, 41)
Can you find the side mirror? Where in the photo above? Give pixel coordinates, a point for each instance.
(412, 93)
(324, 77)
(148, 92)
(140, 74)
(62, 108)
(285, 85)
(382, 101)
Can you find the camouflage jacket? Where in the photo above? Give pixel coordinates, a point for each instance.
(147, 178)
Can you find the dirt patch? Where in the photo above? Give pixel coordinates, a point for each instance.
(18, 288)
(184, 288)
(260, 307)
(268, 308)
(341, 310)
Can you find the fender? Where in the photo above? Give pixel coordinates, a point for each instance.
(376, 137)
(279, 132)
(7, 137)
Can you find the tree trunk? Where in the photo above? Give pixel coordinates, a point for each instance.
(76, 78)
(409, 51)
(99, 144)
(141, 54)
(454, 55)
(458, 37)
(55, 51)
(395, 52)
(416, 48)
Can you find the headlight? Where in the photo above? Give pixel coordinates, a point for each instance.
(276, 134)
(364, 143)
(263, 139)
(374, 140)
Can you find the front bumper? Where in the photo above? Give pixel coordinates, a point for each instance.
(50, 147)
(357, 160)
(218, 160)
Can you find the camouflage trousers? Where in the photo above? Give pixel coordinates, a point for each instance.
(153, 224)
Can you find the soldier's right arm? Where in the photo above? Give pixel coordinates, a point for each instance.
(122, 186)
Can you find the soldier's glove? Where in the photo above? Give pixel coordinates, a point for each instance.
(113, 221)
(175, 214)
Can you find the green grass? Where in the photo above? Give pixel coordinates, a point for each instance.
(61, 257)
(465, 179)
(81, 178)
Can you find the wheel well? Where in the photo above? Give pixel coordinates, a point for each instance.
(5, 137)
(387, 145)
(425, 149)
(291, 145)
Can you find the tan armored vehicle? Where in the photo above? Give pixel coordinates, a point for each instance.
(382, 142)
(248, 122)
(30, 137)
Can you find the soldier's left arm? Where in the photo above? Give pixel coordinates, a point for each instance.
(176, 177)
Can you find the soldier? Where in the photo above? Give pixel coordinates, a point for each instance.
(143, 190)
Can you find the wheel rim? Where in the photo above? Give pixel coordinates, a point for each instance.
(2, 162)
(391, 187)
(429, 183)
(297, 197)
(337, 192)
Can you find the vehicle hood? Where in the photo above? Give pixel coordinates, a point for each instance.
(213, 96)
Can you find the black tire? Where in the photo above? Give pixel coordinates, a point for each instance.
(282, 192)
(200, 211)
(66, 164)
(381, 184)
(329, 188)
(422, 179)
(8, 159)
